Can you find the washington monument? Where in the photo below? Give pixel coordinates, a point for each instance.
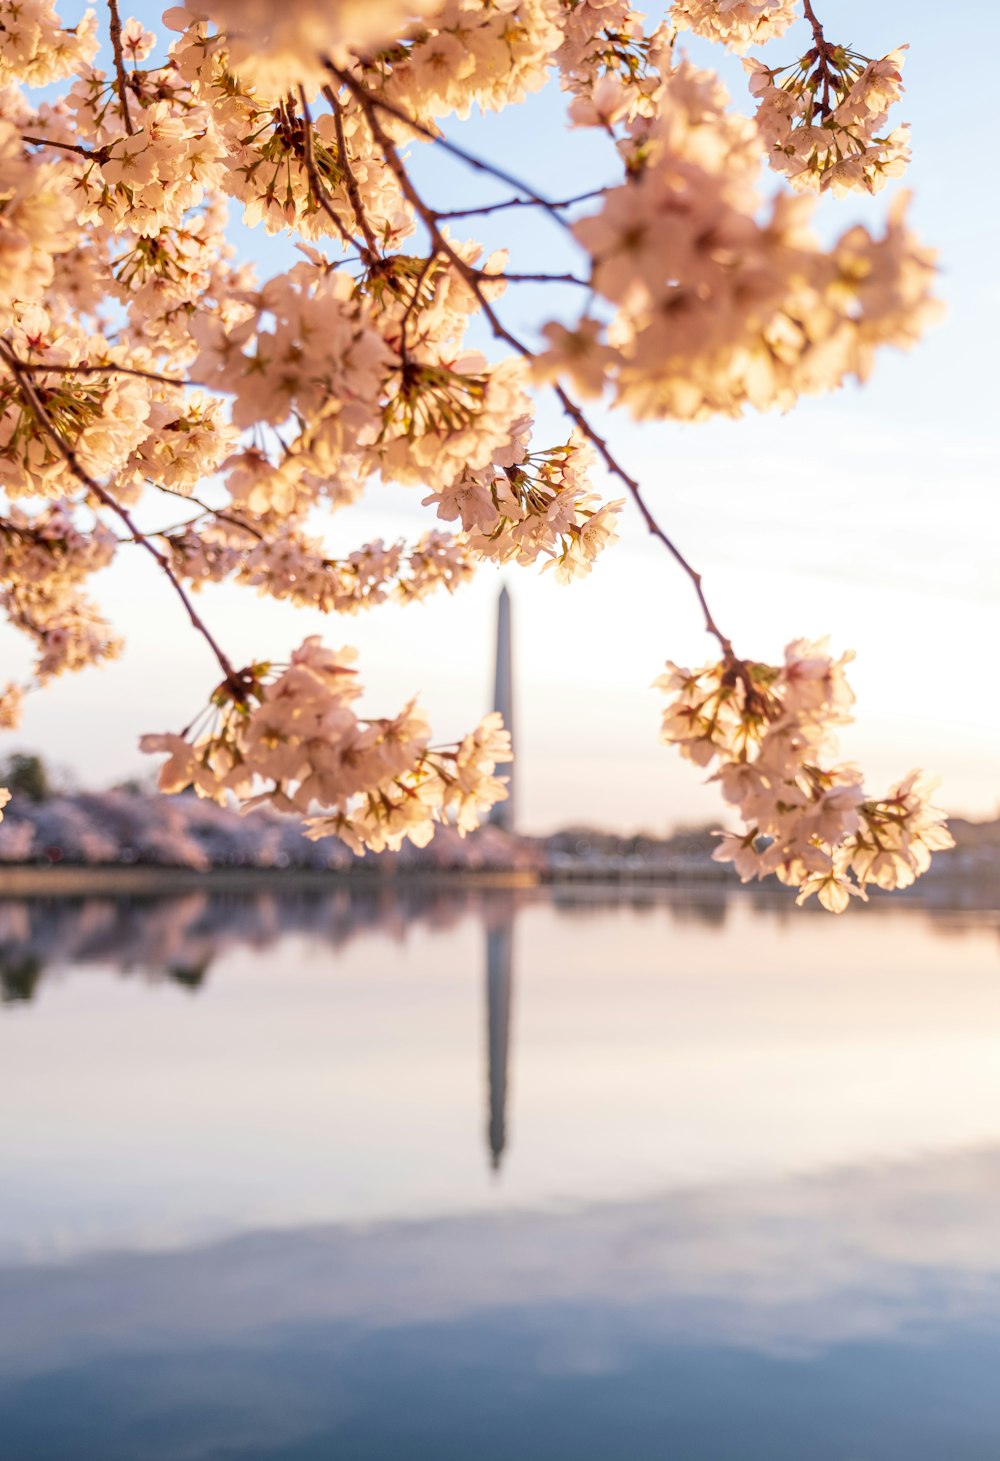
(503, 813)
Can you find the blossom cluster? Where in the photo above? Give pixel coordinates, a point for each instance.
(608, 62)
(738, 24)
(100, 416)
(44, 559)
(823, 119)
(313, 348)
(768, 732)
(542, 506)
(273, 43)
(717, 311)
(37, 221)
(37, 49)
(292, 738)
(289, 565)
(489, 55)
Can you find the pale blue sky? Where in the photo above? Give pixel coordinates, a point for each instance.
(869, 515)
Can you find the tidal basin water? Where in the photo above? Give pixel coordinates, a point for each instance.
(477, 1177)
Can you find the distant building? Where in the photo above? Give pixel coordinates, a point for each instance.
(503, 813)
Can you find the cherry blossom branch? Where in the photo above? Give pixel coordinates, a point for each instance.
(824, 52)
(350, 181)
(30, 395)
(369, 251)
(115, 28)
(371, 105)
(819, 38)
(444, 143)
(317, 185)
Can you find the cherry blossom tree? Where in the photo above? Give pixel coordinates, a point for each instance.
(141, 359)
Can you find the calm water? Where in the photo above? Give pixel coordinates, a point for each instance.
(477, 1178)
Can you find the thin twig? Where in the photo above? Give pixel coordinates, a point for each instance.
(518, 202)
(65, 146)
(500, 331)
(486, 276)
(215, 512)
(164, 532)
(107, 368)
(31, 397)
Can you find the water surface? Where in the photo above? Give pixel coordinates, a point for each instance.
(463, 1176)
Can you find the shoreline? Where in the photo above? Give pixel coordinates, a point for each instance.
(65, 881)
(30, 881)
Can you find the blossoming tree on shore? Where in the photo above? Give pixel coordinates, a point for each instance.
(140, 357)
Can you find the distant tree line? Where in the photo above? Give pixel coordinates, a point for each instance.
(27, 775)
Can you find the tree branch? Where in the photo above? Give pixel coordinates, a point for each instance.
(115, 28)
(824, 53)
(316, 182)
(107, 368)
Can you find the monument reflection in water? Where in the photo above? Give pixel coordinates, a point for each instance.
(499, 992)
(738, 1202)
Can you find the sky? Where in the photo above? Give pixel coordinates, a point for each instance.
(869, 515)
